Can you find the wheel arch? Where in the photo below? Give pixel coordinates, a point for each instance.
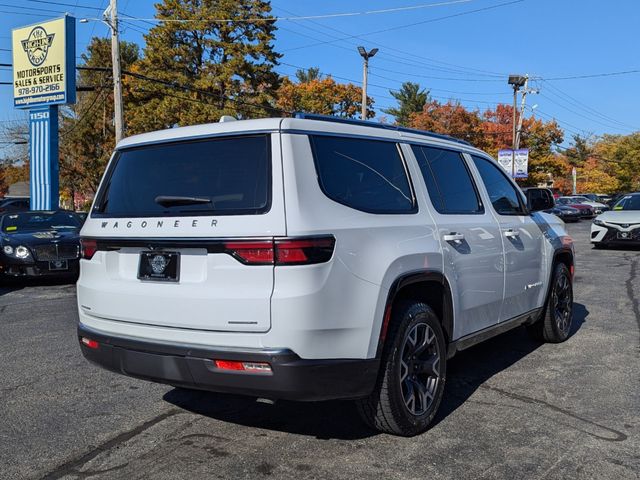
(429, 286)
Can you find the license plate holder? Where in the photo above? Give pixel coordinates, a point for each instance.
(58, 265)
(624, 236)
(159, 266)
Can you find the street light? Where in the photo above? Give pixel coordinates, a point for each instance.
(365, 68)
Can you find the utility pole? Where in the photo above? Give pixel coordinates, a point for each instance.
(111, 18)
(365, 73)
(525, 91)
(516, 81)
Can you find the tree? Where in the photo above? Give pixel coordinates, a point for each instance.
(209, 67)
(449, 118)
(580, 151)
(619, 156)
(323, 96)
(410, 100)
(592, 178)
(87, 136)
(306, 76)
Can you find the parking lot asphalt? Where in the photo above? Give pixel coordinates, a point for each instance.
(513, 408)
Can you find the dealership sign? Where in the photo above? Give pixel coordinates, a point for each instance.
(44, 63)
(44, 76)
(507, 158)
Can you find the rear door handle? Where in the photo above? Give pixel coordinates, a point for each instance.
(511, 233)
(453, 237)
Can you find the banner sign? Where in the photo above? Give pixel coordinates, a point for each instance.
(505, 159)
(44, 60)
(43, 155)
(522, 163)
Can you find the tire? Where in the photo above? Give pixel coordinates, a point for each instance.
(403, 403)
(555, 324)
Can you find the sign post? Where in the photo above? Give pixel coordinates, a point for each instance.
(43, 78)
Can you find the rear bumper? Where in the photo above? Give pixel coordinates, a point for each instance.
(291, 378)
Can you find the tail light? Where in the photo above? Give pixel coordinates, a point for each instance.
(304, 251)
(90, 343)
(88, 248)
(290, 251)
(251, 253)
(256, 367)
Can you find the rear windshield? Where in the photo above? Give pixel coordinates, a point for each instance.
(222, 176)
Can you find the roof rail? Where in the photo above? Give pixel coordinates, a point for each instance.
(366, 123)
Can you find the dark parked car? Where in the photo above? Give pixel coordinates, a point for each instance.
(566, 213)
(586, 210)
(38, 243)
(14, 204)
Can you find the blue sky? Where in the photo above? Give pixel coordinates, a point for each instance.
(466, 57)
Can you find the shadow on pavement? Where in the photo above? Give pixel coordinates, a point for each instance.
(339, 419)
(323, 420)
(471, 368)
(8, 285)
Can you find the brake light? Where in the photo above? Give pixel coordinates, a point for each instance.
(304, 251)
(300, 251)
(251, 253)
(88, 248)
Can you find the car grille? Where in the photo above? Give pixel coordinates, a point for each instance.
(53, 252)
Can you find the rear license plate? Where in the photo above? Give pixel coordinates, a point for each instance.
(159, 266)
(58, 265)
(624, 236)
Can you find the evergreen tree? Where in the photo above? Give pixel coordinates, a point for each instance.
(87, 135)
(306, 76)
(410, 100)
(220, 51)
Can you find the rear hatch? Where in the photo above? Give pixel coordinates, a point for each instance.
(171, 229)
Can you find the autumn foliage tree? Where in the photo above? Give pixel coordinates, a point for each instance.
(491, 131)
(324, 96)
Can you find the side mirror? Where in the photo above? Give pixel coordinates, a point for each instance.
(539, 199)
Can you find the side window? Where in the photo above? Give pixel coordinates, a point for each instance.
(367, 175)
(448, 181)
(503, 195)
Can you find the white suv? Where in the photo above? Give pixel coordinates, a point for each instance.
(313, 258)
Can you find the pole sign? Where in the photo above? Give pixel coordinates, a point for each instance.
(505, 159)
(44, 76)
(44, 59)
(521, 158)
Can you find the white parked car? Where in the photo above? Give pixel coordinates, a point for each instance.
(619, 226)
(313, 258)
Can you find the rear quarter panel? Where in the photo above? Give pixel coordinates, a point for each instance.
(345, 304)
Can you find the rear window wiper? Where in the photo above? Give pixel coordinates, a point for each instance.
(175, 201)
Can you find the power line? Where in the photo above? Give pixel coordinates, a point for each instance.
(586, 108)
(76, 5)
(423, 22)
(306, 17)
(188, 88)
(593, 75)
(591, 119)
(387, 48)
(31, 8)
